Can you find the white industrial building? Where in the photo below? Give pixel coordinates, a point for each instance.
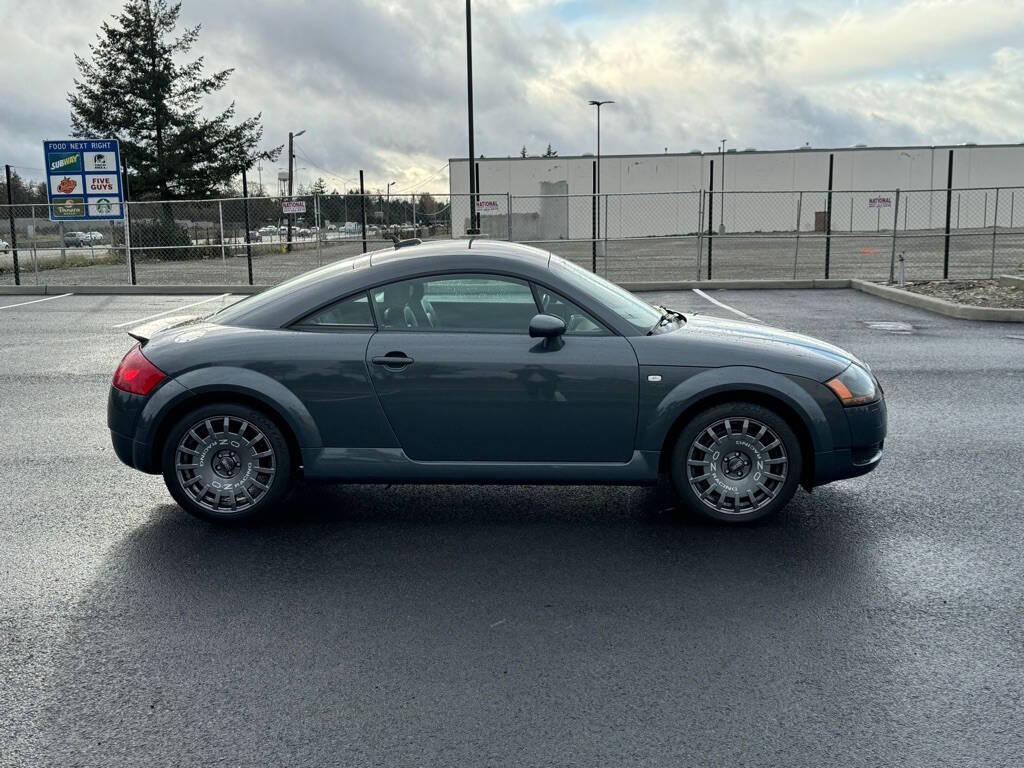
(764, 191)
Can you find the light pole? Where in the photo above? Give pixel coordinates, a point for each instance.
(473, 228)
(721, 220)
(597, 179)
(291, 173)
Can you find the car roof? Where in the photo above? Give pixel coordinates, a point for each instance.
(475, 246)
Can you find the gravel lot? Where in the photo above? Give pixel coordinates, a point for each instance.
(874, 622)
(978, 293)
(862, 255)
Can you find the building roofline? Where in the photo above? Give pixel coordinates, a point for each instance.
(807, 150)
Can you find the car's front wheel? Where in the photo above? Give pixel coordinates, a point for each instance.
(736, 462)
(226, 462)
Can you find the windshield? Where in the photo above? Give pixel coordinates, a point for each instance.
(633, 310)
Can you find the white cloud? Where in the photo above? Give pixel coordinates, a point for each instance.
(381, 86)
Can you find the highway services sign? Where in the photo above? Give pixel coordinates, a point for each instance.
(83, 180)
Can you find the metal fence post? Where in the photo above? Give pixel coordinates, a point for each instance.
(128, 243)
(593, 221)
(14, 235)
(799, 209)
(127, 223)
(362, 208)
(711, 216)
(892, 254)
(995, 222)
(604, 244)
(319, 233)
(223, 256)
(700, 231)
(828, 217)
(949, 210)
(245, 217)
(35, 256)
(508, 215)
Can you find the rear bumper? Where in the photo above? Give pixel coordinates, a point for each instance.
(868, 425)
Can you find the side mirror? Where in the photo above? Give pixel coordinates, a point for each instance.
(546, 327)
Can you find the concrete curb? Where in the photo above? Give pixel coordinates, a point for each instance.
(736, 285)
(1011, 281)
(940, 306)
(129, 290)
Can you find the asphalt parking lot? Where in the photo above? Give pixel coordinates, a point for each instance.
(874, 622)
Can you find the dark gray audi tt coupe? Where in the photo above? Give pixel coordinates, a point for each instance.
(478, 361)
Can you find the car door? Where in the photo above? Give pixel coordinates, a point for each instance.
(460, 379)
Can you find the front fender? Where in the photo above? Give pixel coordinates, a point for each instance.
(229, 379)
(686, 387)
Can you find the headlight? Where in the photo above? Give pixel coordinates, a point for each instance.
(854, 386)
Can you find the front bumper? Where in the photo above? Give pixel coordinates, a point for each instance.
(868, 425)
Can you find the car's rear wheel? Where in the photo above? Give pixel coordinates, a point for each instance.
(226, 462)
(736, 462)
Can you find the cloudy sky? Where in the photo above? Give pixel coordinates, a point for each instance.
(380, 84)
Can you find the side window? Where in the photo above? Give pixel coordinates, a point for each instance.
(482, 303)
(577, 321)
(351, 312)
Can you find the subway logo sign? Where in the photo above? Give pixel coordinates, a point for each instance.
(63, 162)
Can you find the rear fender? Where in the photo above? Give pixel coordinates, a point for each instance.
(230, 380)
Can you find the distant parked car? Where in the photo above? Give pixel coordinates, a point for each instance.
(255, 236)
(282, 230)
(267, 230)
(4, 245)
(76, 239)
(94, 237)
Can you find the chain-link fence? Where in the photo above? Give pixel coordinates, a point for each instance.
(636, 237)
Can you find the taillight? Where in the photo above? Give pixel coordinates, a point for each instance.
(136, 374)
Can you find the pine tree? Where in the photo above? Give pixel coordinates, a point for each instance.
(134, 89)
(551, 152)
(522, 152)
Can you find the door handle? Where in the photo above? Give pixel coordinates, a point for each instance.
(393, 360)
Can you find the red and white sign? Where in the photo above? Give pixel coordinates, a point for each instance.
(65, 185)
(101, 183)
(879, 202)
(293, 206)
(488, 208)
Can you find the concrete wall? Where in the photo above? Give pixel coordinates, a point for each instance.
(762, 190)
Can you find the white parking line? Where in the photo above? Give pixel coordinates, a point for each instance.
(703, 295)
(169, 311)
(36, 301)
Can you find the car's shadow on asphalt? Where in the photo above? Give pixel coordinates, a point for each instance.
(412, 606)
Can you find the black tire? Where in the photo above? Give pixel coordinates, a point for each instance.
(736, 462)
(226, 462)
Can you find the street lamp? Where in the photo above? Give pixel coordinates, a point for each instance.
(597, 181)
(721, 220)
(291, 174)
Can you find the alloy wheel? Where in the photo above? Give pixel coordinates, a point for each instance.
(225, 464)
(736, 465)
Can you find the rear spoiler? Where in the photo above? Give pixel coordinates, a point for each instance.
(146, 331)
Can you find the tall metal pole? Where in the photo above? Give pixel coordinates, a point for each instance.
(128, 222)
(597, 173)
(711, 216)
(291, 165)
(473, 221)
(10, 219)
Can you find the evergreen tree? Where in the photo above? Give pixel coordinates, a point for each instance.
(134, 89)
(522, 152)
(551, 152)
